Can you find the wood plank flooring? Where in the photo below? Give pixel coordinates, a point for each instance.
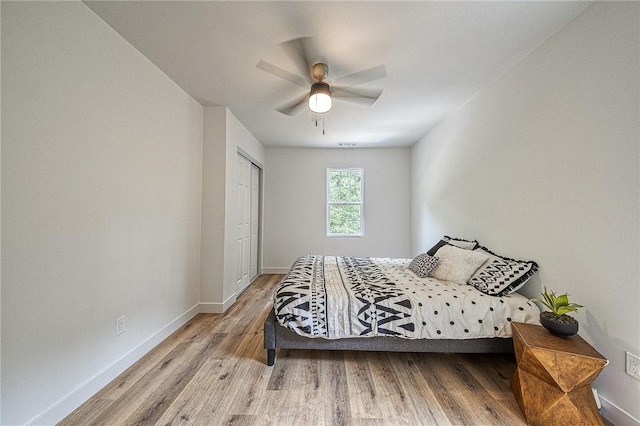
(213, 371)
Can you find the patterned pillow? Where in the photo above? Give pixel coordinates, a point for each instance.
(423, 264)
(459, 242)
(456, 264)
(500, 276)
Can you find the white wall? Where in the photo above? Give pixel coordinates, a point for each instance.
(544, 165)
(295, 209)
(101, 205)
(223, 136)
(213, 212)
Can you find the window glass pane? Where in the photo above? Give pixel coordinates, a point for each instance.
(344, 219)
(345, 186)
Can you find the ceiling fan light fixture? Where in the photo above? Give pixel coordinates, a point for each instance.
(320, 98)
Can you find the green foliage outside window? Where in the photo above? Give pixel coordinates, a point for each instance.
(345, 202)
(344, 219)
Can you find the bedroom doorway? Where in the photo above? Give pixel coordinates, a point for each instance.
(248, 222)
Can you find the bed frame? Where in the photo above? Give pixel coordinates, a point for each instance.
(276, 336)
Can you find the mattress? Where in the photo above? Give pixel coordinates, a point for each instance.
(335, 297)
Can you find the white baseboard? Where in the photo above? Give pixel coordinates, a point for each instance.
(275, 270)
(82, 393)
(615, 414)
(217, 308)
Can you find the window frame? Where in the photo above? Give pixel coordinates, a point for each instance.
(329, 203)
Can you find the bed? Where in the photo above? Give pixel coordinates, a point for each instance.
(389, 304)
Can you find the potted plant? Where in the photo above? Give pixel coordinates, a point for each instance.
(556, 320)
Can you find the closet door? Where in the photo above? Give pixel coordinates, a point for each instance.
(255, 215)
(243, 223)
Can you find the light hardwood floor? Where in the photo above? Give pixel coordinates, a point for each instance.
(212, 372)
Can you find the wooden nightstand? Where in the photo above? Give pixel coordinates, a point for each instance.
(552, 382)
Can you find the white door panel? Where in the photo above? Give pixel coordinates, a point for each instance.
(247, 222)
(255, 214)
(244, 229)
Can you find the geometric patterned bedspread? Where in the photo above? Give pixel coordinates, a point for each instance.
(335, 297)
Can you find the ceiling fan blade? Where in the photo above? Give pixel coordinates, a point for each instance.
(293, 107)
(361, 77)
(286, 75)
(300, 51)
(360, 95)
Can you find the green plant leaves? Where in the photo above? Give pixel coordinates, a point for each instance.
(560, 302)
(559, 305)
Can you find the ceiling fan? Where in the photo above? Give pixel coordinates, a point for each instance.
(313, 72)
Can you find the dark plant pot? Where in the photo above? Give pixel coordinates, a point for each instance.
(562, 326)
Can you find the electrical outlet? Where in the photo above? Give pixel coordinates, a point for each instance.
(595, 396)
(633, 365)
(121, 326)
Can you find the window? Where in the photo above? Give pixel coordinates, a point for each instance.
(345, 202)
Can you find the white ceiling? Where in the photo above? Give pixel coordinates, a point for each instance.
(437, 55)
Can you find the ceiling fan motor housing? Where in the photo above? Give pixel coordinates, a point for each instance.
(320, 71)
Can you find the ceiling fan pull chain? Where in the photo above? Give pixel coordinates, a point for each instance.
(322, 124)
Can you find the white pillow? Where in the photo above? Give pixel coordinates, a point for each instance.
(456, 264)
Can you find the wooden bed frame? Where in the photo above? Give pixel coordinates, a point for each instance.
(276, 336)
